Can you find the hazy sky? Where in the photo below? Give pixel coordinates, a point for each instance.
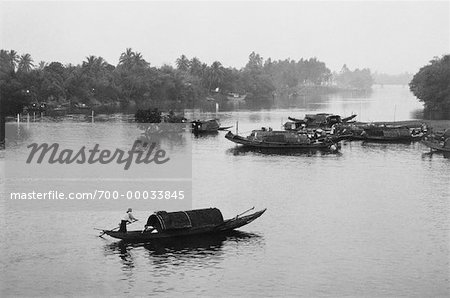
(391, 37)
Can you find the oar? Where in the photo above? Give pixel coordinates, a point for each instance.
(104, 231)
(236, 217)
(245, 212)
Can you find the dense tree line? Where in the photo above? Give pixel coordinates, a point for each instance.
(134, 82)
(360, 79)
(432, 86)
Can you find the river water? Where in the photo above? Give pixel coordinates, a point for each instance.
(371, 220)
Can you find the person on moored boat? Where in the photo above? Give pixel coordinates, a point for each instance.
(128, 218)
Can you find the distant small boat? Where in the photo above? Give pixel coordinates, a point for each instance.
(236, 97)
(81, 106)
(58, 110)
(282, 140)
(204, 126)
(184, 224)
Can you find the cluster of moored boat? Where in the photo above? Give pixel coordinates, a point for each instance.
(325, 131)
(318, 131)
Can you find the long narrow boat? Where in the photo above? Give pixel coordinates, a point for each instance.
(205, 126)
(184, 224)
(281, 140)
(390, 134)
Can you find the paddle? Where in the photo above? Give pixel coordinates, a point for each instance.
(104, 231)
(245, 212)
(236, 217)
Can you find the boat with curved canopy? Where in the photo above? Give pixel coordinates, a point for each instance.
(282, 140)
(185, 223)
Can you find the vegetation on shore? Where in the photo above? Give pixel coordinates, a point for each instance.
(431, 85)
(134, 82)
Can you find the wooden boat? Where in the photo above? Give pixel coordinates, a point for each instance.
(407, 131)
(185, 224)
(235, 97)
(321, 120)
(389, 134)
(205, 126)
(282, 140)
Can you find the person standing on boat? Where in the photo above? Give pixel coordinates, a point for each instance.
(128, 218)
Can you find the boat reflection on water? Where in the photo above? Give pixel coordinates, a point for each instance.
(184, 249)
(431, 154)
(16, 135)
(243, 150)
(205, 134)
(169, 134)
(388, 147)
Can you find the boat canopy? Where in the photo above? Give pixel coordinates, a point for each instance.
(166, 221)
(206, 125)
(279, 137)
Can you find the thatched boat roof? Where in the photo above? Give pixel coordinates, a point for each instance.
(166, 221)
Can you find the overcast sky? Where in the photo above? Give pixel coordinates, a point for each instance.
(390, 37)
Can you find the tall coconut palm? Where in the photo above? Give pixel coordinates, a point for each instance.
(25, 63)
(13, 59)
(94, 63)
(4, 60)
(196, 67)
(8, 60)
(42, 65)
(139, 61)
(126, 58)
(89, 63)
(216, 74)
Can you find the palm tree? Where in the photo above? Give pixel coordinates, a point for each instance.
(138, 60)
(8, 60)
(42, 65)
(94, 63)
(13, 59)
(89, 63)
(127, 57)
(4, 60)
(216, 74)
(25, 63)
(196, 67)
(183, 63)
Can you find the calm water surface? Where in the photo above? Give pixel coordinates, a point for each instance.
(371, 220)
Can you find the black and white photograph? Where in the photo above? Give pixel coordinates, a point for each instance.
(225, 148)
